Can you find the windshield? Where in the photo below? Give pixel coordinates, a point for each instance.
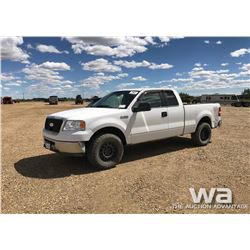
(118, 99)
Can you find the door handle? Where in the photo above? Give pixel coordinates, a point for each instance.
(164, 114)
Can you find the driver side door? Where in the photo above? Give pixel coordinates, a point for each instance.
(150, 125)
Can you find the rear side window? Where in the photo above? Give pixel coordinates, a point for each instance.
(153, 98)
(171, 98)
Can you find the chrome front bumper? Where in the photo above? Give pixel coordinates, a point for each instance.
(64, 146)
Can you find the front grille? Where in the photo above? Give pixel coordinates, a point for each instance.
(53, 124)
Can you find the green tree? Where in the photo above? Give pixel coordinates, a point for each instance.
(246, 92)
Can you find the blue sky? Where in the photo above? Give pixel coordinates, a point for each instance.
(43, 66)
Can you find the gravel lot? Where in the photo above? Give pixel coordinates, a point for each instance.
(151, 178)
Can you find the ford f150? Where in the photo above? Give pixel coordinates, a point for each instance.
(128, 117)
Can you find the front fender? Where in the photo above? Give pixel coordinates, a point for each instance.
(107, 122)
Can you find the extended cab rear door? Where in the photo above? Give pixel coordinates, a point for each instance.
(175, 113)
(153, 124)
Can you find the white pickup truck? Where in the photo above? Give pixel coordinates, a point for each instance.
(128, 117)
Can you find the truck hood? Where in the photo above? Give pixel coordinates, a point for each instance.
(86, 113)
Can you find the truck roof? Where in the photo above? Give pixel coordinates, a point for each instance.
(145, 89)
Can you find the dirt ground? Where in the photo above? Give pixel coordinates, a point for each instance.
(151, 179)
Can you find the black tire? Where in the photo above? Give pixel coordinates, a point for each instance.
(246, 104)
(202, 135)
(237, 104)
(105, 151)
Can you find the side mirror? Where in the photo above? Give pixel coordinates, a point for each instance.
(141, 106)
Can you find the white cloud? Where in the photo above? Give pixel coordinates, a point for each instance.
(215, 79)
(219, 42)
(49, 49)
(67, 82)
(174, 80)
(224, 64)
(240, 52)
(9, 79)
(55, 88)
(29, 46)
(45, 89)
(246, 70)
(13, 84)
(132, 64)
(5, 77)
(197, 68)
(46, 72)
(207, 41)
(10, 49)
(123, 75)
(246, 66)
(115, 46)
(144, 63)
(100, 65)
(67, 86)
(202, 73)
(109, 46)
(210, 84)
(161, 66)
(139, 78)
(55, 65)
(125, 85)
(197, 64)
(150, 40)
(245, 74)
(222, 71)
(98, 79)
(200, 65)
(166, 39)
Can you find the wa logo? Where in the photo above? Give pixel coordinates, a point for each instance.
(220, 195)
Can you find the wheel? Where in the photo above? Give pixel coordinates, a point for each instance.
(202, 135)
(246, 104)
(237, 104)
(105, 151)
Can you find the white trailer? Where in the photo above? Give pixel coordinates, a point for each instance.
(219, 98)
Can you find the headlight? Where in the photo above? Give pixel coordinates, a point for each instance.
(74, 125)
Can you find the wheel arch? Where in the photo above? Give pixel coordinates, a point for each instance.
(206, 119)
(110, 130)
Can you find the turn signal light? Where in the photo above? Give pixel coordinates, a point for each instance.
(82, 124)
(219, 111)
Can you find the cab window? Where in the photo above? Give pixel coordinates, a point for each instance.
(153, 98)
(171, 98)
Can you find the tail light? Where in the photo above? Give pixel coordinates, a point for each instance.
(219, 111)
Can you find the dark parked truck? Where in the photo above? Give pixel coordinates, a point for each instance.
(128, 117)
(241, 103)
(7, 100)
(53, 100)
(79, 100)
